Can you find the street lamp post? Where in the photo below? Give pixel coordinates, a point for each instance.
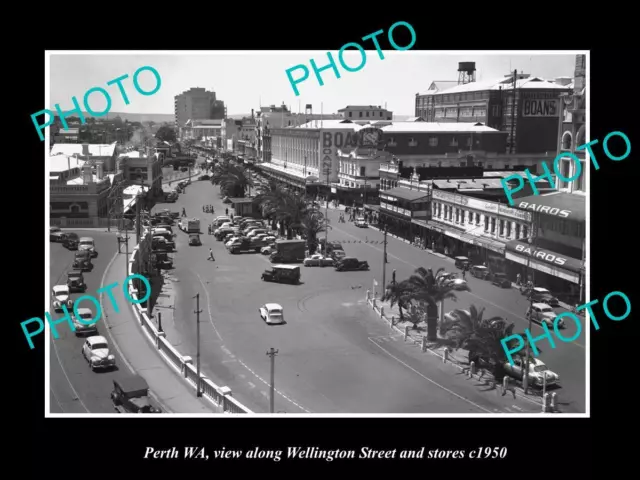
(197, 312)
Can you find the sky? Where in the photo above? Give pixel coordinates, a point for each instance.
(247, 80)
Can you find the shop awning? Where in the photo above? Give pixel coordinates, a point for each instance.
(524, 249)
(489, 243)
(404, 194)
(557, 204)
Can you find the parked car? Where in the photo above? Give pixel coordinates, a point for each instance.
(268, 250)
(82, 261)
(60, 295)
(501, 280)
(83, 327)
(361, 222)
(75, 281)
(456, 282)
(272, 313)
(131, 395)
(541, 295)
(462, 262)
(538, 374)
(71, 241)
(88, 243)
(56, 234)
(479, 271)
(318, 260)
(543, 313)
(194, 239)
(95, 350)
(351, 263)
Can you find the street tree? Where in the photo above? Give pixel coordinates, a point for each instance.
(313, 223)
(399, 293)
(166, 134)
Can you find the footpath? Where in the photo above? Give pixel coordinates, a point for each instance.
(442, 349)
(126, 334)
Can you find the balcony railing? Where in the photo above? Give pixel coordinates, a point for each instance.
(403, 211)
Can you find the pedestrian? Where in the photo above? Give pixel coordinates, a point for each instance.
(464, 273)
(211, 255)
(518, 279)
(184, 212)
(203, 208)
(226, 211)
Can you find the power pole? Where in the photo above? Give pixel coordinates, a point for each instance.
(384, 262)
(534, 231)
(512, 146)
(197, 312)
(272, 356)
(138, 200)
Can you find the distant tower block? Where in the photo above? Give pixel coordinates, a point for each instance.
(308, 109)
(466, 72)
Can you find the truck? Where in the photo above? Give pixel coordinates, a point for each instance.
(246, 245)
(190, 225)
(289, 251)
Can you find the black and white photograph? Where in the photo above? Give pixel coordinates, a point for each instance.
(283, 233)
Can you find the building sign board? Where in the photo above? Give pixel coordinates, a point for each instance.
(481, 205)
(546, 256)
(539, 108)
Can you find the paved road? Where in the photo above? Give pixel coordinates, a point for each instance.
(334, 355)
(568, 360)
(74, 388)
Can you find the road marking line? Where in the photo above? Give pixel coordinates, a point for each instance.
(206, 292)
(428, 379)
(470, 293)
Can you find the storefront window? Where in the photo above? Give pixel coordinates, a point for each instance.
(517, 230)
(493, 225)
(508, 229)
(501, 227)
(486, 223)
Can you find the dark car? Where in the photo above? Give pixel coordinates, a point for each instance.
(71, 241)
(479, 271)
(194, 239)
(75, 282)
(82, 261)
(501, 280)
(131, 395)
(462, 262)
(351, 263)
(204, 177)
(541, 295)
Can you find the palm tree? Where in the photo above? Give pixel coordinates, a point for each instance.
(432, 290)
(313, 223)
(416, 313)
(399, 293)
(232, 178)
(463, 326)
(270, 198)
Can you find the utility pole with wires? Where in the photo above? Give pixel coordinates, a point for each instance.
(272, 356)
(198, 312)
(384, 261)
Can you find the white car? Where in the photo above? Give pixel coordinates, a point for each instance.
(456, 282)
(318, 260)
(543, 313)
(87, 243)
(268, 250)
(452, 316)
(272, 313)
(233, 240)
(269, 238)
(83, 328)
(539, 373)
(361, 222)
(61, 297)
(95, 350)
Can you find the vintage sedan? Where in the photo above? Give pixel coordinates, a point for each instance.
(56, 234)
(361, 222)
(479, 271)
(457, 283)
(543, 313)
(272, 313)
(318, 260)
(95, 350)
(539, 374)
(194, 239)
(61, 297)
(501, 280)
(542, 295)
(86, 326)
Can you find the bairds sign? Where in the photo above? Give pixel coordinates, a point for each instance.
(549, 257)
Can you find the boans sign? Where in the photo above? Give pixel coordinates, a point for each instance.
(332, 140)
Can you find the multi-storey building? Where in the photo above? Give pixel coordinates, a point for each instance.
(365, 112)
(142, 168)
(531, 120)
(77, 197)
(197, 104)
(555, 255)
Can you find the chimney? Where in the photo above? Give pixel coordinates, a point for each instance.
(85, 149)
(100, 170)
(87, 176)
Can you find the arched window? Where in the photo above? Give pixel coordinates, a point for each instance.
(566, 141)
(580, 136)
(74, 208)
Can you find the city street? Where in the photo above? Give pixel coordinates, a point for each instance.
(335, 355)
(74, 388)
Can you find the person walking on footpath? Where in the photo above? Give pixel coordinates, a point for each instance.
(211, 255)
(184, 212)
(518, 279)
(226, 211)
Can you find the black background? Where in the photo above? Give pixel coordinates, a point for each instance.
(547, 447)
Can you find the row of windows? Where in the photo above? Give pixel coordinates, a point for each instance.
(373, 114)
(563, 227)
(350, 168)
(454, 97)
(458, 215)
